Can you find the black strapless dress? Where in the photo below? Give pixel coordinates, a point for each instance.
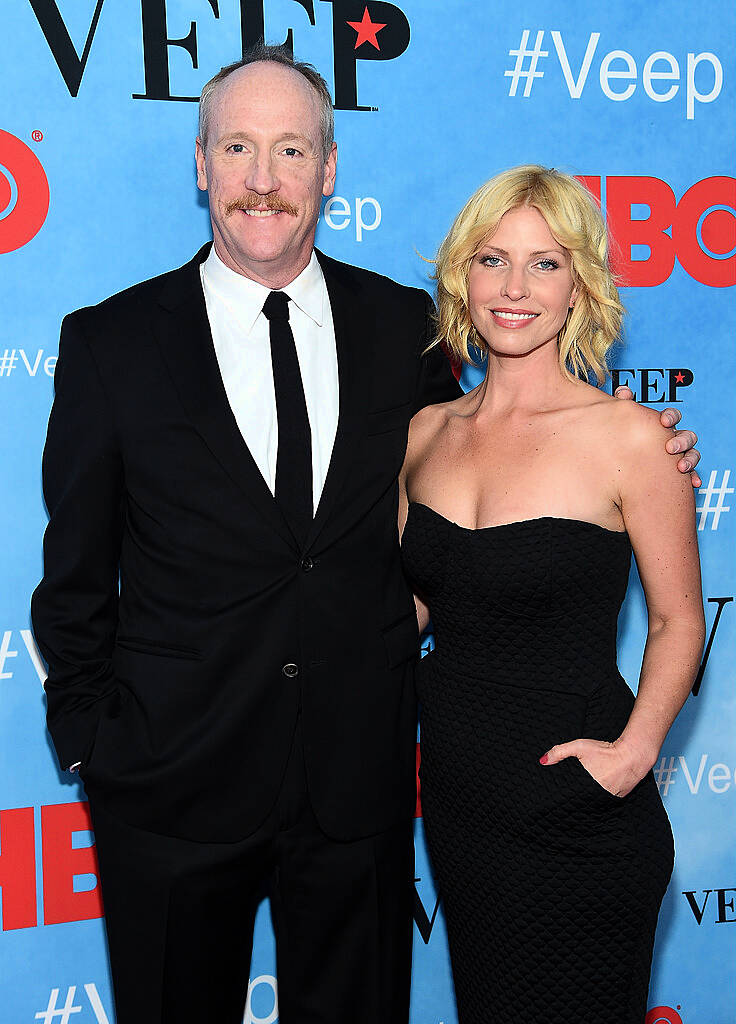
(551, 885)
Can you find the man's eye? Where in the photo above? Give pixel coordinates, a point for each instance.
(237, 147)
(291, 151)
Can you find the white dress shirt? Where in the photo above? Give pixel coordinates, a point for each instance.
(242, 345)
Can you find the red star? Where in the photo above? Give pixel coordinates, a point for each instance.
(367, 30)
(679, 377)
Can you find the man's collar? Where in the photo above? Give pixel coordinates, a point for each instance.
(245, 297)
(308, 291)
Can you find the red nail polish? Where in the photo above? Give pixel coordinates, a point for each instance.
(543, 759)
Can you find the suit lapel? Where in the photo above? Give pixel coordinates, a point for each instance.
(352, 319)
(185, 339)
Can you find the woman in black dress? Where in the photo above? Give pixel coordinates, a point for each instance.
(522, 502)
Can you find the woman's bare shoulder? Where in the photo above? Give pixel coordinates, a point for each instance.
(631, 435)
(621, 433)
(432, 418)
(637, 424)
(427, 425)
(631, 423)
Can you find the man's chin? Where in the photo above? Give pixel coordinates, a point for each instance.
(263, 245)
(262, 257)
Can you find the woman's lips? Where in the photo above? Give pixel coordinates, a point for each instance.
(513, 319)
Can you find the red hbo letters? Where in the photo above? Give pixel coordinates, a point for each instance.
(62, 863)
(699, 230)
(24, 193)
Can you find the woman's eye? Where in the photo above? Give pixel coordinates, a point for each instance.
(548, 264)
(491, 261)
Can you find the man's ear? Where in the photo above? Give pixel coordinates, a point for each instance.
(201, 165)
(328, 182)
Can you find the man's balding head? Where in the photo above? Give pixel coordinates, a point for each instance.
(262, 52)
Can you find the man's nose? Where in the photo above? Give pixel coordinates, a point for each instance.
(261, 175)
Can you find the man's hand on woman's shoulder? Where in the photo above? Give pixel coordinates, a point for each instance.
(681, 442)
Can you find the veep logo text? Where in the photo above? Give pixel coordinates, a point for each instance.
(618, 72)
(361, 30)
(653, 384)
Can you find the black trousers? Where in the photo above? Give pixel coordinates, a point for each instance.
(180, 914)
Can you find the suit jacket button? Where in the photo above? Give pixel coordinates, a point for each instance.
(290, 670)
(307, 564)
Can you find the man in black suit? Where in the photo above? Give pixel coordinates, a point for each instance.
(229, 636)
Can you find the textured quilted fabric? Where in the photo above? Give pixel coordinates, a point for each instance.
(551, 885)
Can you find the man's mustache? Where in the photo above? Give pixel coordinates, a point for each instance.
(252, 201)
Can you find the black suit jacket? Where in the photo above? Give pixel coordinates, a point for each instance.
(174, 593)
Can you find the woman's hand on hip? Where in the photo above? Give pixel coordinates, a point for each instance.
(613, 766)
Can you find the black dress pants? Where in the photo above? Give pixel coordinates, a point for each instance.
(179, 918)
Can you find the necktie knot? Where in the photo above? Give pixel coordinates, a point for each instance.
(276, 306)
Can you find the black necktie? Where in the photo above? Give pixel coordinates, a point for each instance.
(293, 491)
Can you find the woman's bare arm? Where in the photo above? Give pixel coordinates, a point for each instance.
(411, 449)
(658, 510)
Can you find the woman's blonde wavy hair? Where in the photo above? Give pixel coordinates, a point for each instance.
(573, 217)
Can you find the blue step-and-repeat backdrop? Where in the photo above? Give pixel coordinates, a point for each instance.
(97, 191)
